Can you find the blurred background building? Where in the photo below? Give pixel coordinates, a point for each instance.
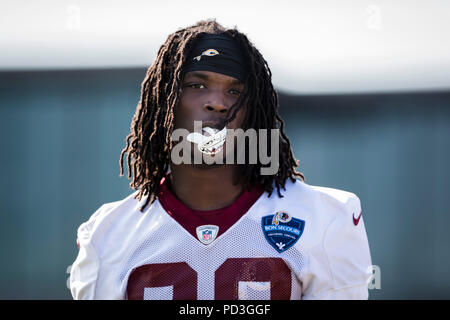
(364, 89)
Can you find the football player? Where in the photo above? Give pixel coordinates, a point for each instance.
(214, 229)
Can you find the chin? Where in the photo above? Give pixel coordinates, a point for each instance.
(205, 166)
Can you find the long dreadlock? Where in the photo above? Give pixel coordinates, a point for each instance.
(149, 142)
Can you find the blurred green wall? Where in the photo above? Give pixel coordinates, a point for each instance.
(61, 134)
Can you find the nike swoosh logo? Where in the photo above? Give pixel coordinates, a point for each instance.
(356, 221)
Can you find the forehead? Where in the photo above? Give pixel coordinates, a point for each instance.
(211, 76)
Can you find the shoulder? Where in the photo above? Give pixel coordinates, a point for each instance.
(321, 195)
(103, 241)
(318, 207)
(107, 217)
(317, 203)
(334, 239)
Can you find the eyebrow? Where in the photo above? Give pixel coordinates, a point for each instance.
(204, 76)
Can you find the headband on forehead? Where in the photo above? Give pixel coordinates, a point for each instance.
(217, 53)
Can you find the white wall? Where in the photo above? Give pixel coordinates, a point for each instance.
(312, 46)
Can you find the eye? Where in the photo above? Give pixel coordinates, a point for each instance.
(235, 92)
(195, 85)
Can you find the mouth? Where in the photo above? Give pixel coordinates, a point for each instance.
(211, 140)
(214, 140)
(218, 125)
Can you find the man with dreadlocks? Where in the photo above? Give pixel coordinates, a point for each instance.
(214, 230)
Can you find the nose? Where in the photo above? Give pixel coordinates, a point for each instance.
(216, 103)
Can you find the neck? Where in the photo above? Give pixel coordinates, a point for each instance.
(201, 188)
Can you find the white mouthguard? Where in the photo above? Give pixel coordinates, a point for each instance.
(210, 144)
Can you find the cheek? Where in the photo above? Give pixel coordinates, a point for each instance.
(183, 112)
(239, 120)
(178, 116)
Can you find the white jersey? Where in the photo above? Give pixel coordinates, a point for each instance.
(310, 244)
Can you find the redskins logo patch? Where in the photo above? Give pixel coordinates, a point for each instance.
(282, 230)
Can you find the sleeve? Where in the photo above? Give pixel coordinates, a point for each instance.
(84, 271)
(340, 267)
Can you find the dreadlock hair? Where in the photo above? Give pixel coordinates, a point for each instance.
(149, 143)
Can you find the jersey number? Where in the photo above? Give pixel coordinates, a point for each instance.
(183, 279)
